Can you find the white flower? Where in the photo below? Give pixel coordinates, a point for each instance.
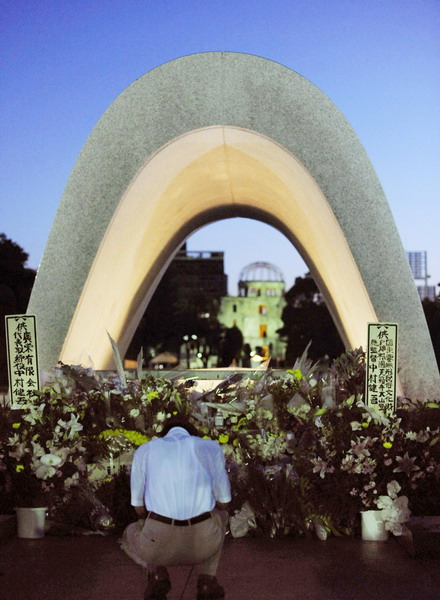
(161, 416)
(394, 511)
(373, 414)
(384, 502)
(348, 463)
(12, 441)
(50, 460)
(134, 412)
(355, 426)
(321, 467)
(359, 447)
(393, 488)
(401, 504)
(61, 453)
(37, 450)
(20, 449)
(45, 471)
(242, 521)
(406, 464)
(72, 426)
(394, 527)
(35, 414)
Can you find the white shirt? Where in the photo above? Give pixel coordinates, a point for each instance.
(179, 476)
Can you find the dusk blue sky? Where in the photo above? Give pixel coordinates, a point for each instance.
(64, 61)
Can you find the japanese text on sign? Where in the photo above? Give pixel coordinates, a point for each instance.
(381, 372)
(21, 344)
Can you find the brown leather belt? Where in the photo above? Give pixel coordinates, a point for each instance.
(178, 522)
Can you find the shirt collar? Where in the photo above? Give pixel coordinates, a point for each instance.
(177, 433)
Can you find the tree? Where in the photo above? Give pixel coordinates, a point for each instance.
(306, 317)
(16, 281)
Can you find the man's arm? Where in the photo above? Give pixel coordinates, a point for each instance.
(137, 483)
(222, 486)
(140, 512)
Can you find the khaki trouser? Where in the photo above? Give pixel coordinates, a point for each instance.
(151, 543)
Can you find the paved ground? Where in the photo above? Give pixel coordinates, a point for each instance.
(94, 568)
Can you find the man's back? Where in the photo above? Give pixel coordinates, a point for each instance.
(180, 491)
(180, 476)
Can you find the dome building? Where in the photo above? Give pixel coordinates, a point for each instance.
(257, 309)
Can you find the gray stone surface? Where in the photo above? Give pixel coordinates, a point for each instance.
(224, 88)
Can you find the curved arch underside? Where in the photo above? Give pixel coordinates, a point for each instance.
(203, 176)
(153, 171)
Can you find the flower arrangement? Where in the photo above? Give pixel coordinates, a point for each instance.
(302, 447)
(311, 430)
(70, 428)
(41, 452)
(394, 508)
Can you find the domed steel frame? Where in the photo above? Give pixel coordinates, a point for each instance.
(261, 271)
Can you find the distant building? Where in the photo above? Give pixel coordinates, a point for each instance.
(195, 272)
(418, 262)
(257, 310)
(192, 285)
(426, 292)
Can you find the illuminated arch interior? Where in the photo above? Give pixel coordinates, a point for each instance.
(201, 177)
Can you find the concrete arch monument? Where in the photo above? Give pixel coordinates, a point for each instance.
(207, 137)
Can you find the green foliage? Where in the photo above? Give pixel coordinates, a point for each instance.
(15, 287)
(349, 372)
(306, 318)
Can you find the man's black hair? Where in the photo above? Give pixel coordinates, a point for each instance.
(179, 421)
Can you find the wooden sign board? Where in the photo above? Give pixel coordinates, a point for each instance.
(21, 346)
(381, 372)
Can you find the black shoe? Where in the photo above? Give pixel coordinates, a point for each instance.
(208, 588)
(159, 585)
